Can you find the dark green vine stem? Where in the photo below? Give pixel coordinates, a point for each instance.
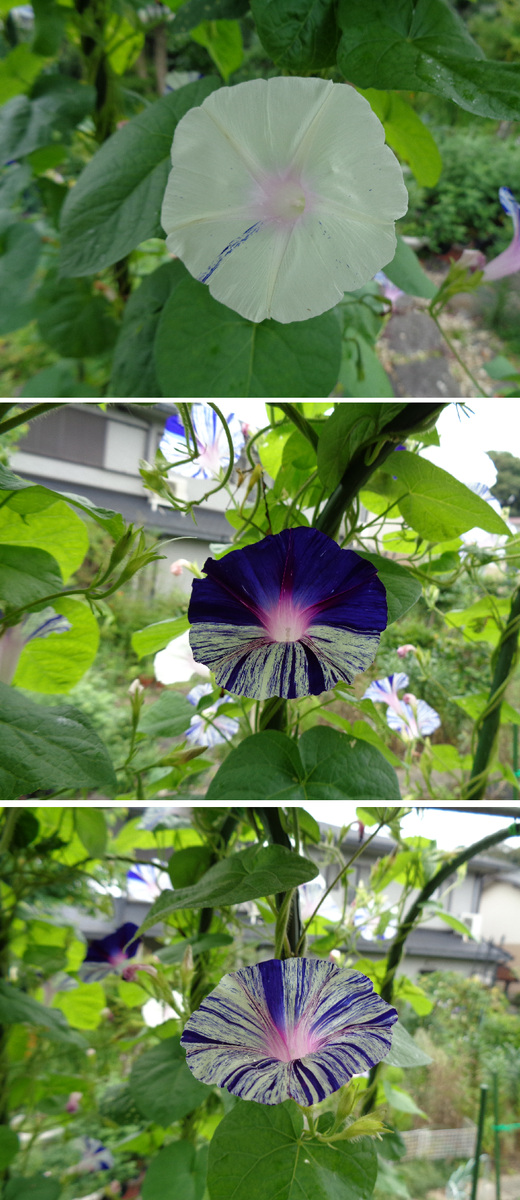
(413, 916)
(270, 819)
(412, 419)
(37, 410)
(505, 659)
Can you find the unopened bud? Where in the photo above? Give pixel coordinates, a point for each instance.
(136, 688)
(402, 651)
(187, 967)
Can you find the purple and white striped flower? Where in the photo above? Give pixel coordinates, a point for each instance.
(413, 718)
(212, 443)
(16, 637)
(109, 955)
(297, 1029)
(508, 262)
(289, 616)
(204, 732)
(384, 691)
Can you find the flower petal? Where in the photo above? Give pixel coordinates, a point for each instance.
(223, 217)
(299, 1028)
(508, 262)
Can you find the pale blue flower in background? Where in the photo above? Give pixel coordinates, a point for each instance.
(204, 732)
(413, 718)
(36, 625)
(95, 1157)
(212, 444)
(146, 882)
(384, 691)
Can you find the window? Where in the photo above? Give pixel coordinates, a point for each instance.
(68, 433)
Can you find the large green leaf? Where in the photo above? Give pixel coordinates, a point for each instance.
(72, 319)
(406, 272)
(48, 748)
(9, 1146)
(402, 590)
(116, 202)
(178, 1172)
(32, 498)
(223, 41)
(32, 1187)
(199, 942)
(91, 828)
(18, 70)
(195, 11)
(246, 875)
(169, 716)
(57, 104)
(361, 373)
(348, 428)
(17, 1007)
(55, 530)
(299, 35)
(324, 765)
(82, 1005)
(404, 1052)
(163, 1087)
(55, 664)
(155, 637)
(257, 1154)
(27, 575)
(203, 348)
(133, 369)
(20, 248)
(436, 505)
(424, 46)
(406, 134)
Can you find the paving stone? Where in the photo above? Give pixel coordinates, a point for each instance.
(406, 333)
(429, 377)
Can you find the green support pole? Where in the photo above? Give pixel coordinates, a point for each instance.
(515, 750)
(497, 1137)
(480, 1130)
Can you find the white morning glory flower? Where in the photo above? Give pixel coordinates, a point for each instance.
(283, 196)
(176, 664)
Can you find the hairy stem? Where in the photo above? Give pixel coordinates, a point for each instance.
(505, 662)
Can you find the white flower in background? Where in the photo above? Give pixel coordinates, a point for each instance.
(283, 196)
(209, 733)
(177, 79)
(367, 923)
(212, 444)
(155, 1012)
(176, 664)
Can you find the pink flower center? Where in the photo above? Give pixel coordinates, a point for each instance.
(117, 957)
(281, 198)
(286, 623)
(291, 1044)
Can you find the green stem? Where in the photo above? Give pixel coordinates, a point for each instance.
(270, 818)
(301, 423)
(461, 363)
(505, 660)
(37, 410)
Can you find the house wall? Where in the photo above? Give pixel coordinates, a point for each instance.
(500, 908)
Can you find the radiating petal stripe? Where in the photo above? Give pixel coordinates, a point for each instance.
(298, 1029)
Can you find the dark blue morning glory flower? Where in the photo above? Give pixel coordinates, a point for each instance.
(289, 616)
(109, 954)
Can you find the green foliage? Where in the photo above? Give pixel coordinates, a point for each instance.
(177, 1173)
(234, 357)
(301, 37)
(54, 748)
(116, 204)
(257, 1150)
(463, 208)
(507, 487)
(47, 665)
(162, 1087)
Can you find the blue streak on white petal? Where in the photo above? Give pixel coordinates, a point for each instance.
(413, 720)
(298, 1029)
(239, 241)
(217, 729)
(384, 691)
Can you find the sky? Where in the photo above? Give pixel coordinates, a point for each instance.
(491, 425)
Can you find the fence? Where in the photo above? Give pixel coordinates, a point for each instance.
(439, 1143)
